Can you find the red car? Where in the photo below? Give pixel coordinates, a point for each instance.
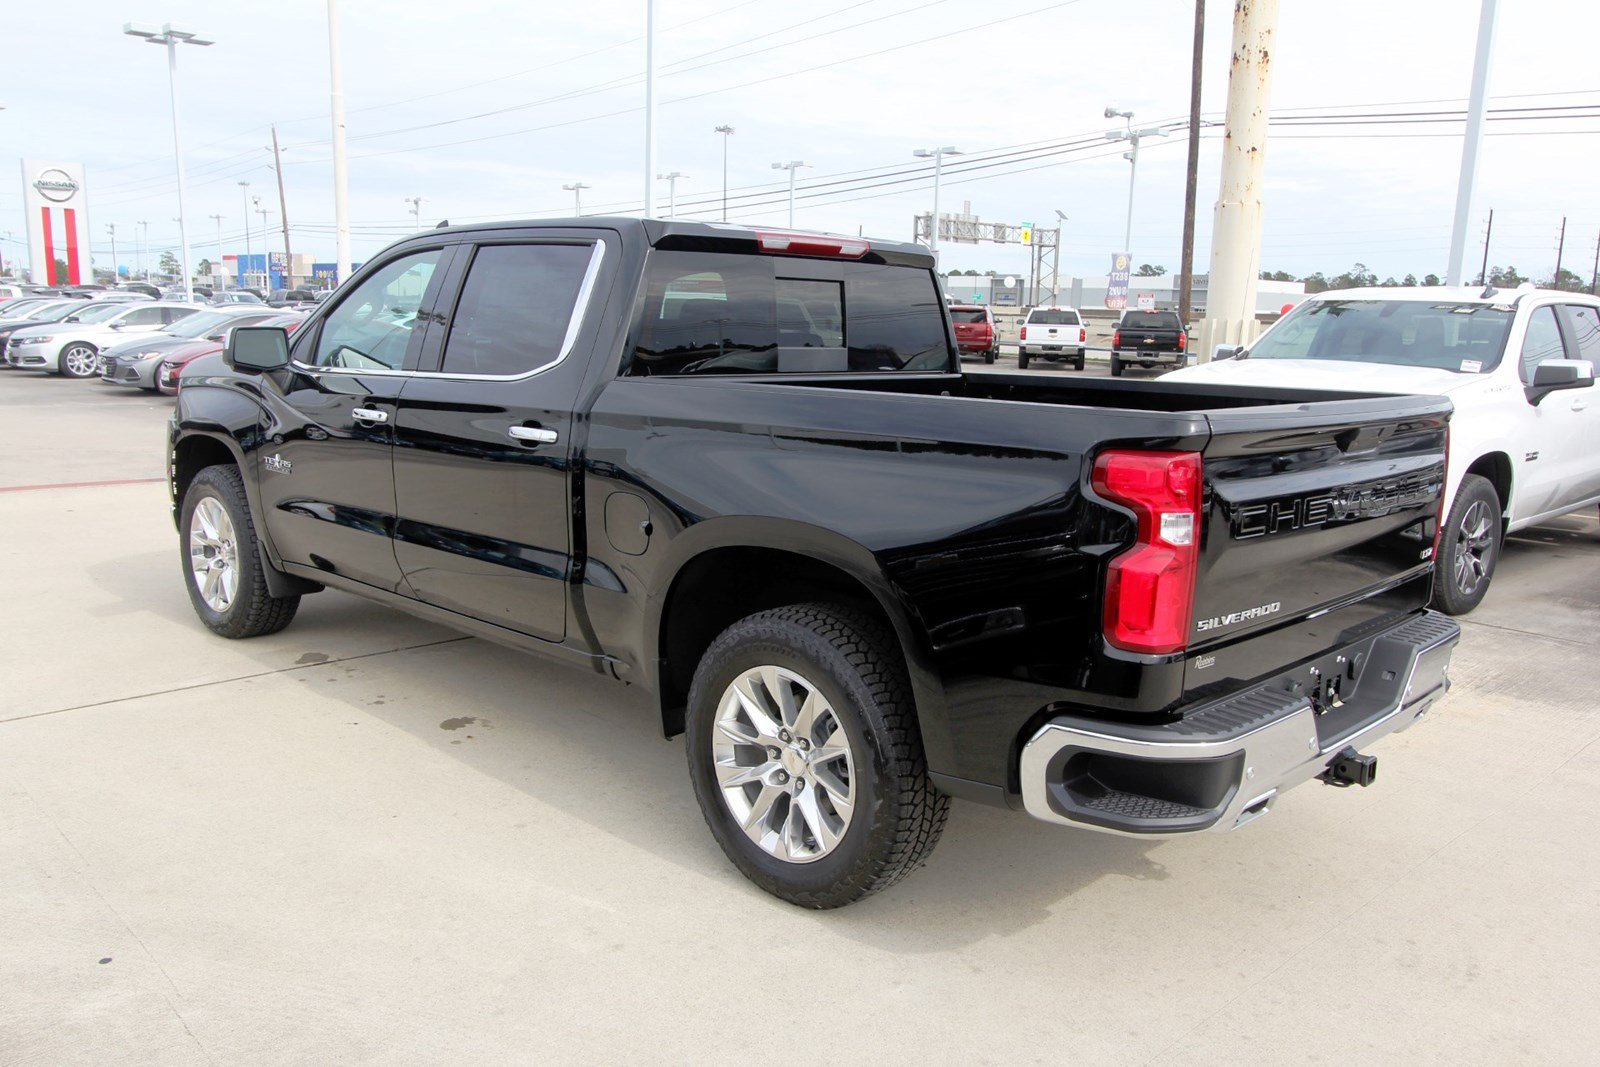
(172, 366)
(975, 332)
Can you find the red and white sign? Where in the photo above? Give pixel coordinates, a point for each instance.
(1147, 301)
(55, 201)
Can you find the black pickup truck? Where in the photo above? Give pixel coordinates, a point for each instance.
(742, 469)
(1148, 338)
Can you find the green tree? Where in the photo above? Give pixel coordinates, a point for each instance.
(169, 263)
(1432, 279)
(61, 270)
(1567, 280)
(1278, 276)
(1506, 277)
(1147, 270)
(1410, 279)
(1316, 283)
(1357, 277)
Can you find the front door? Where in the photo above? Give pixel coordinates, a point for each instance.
(1583, 342)
(1555, 451)
(326, 474)
(483, 439)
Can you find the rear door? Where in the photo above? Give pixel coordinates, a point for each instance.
(484, 436)
(1313, 507)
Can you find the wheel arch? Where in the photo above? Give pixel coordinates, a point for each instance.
(1496, 468)
(730, 568)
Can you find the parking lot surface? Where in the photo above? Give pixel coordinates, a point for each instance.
(368, 838)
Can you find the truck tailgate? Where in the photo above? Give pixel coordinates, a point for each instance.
(1312, 507)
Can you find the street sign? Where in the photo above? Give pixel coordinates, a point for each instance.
(1117, 282)
(1027, 233)
(1147, 301)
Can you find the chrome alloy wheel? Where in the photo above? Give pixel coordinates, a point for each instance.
(1474, 547)
(81, 361)
(784, 765)
(213, 554)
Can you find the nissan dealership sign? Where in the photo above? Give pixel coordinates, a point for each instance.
(57, 211)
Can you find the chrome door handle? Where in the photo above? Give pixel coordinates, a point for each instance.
(1580, 405)
(369, 415)
(536, 434)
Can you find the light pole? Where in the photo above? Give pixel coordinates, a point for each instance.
(1476, 103)
(341, 183)
(266, 253)
(791, 166)
(111, 228)
(649, 105)
(726, 131)
(144, 237)
(416, 209)
(576, 189)
(216, 271)
(172, 38)
(671, 178)
(1132, 136)
(245, 186)
(937, 155)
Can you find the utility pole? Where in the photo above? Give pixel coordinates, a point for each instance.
(1594, 277)
(111, 227)
(1561, 244)
(1483, 272)
(792, 166)
(245, 186)
(671, 178)
(283, 214)
(341, 178)
(937, 155)
(576, 189)
(649, 107)
(1476, 105)
(1191, 188)
(416, 208)
(144, 238)
(1236, 233)
(726, 131)
(216, 271)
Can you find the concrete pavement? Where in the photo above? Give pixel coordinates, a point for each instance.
(368, 839)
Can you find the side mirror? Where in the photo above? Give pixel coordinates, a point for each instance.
(257, 348)
(1556, 374)
(1227, 352)
(118, 325)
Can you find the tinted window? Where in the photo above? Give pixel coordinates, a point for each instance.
(1583, 324)
(515, 308)
(374, 326)
(894, 319)
(708, 314)
(1542, 341)
(1053, 318)
(810, 313)
(170, 315)
(968, 316)
(1151, 320)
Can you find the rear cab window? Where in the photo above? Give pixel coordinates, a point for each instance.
(1053, 317)
(1151, 320)
(969, 315)
(736, 313)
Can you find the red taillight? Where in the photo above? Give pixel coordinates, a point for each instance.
(791, 243)
(1150, 587)
(1083, 333)
(1024, 334)
(1183, 340)
(1116, 339)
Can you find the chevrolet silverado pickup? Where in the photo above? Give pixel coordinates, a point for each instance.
(1146, 338)
(742, 469)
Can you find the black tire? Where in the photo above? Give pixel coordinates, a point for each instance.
(1116, 366)
(1022, 359)
(1468, 551)
(81, 349)
(254, 612)
(991, 355)
(1077, 364)
(853, 660)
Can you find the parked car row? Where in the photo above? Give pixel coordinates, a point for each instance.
(1061, 335)
(142, 343)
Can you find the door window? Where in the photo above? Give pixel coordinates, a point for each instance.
(143, 317)
(1542, 341)
(171, 315)
(1583, 325)
(515, 308)
(377, 326)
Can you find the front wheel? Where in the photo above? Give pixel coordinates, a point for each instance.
(1469, 547)
(78, 360)
(806, 756)
(222, 559)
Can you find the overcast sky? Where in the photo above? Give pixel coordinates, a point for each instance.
(485, 108)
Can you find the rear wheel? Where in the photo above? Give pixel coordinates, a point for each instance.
(1077, 364)
(1469, 547)
(1022, 359)
(806, 757)
(222, 559)
(78, 360)
(991, 355)
(1116, 366)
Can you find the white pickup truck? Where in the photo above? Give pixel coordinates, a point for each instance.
(1517, 364)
